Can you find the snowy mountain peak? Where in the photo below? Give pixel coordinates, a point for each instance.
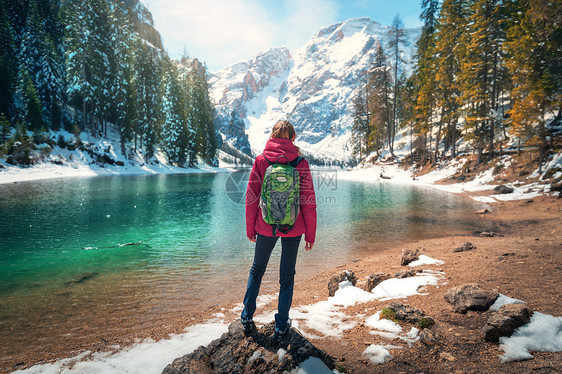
(313, 90)
(238, 83)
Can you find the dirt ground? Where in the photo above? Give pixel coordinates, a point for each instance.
(531, 235)
(530, 232)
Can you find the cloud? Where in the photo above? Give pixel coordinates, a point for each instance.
(305, 18)
(216, 31)
(222, 32)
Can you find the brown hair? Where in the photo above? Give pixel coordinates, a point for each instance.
(284, 130)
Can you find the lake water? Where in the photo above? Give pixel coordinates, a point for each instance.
(63, 275)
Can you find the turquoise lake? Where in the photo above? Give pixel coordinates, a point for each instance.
(63, 273)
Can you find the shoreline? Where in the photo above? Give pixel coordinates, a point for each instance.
(309, 289)
(529, 278)
(47, 171)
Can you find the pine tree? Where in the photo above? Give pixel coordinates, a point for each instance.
(479, 72)
(122, 89)
(447, 66)
(147, 81)
(422, 83)
(8, 62)
(201, 112)
(76, 42)
(27, 102)
(6, 129)
(101, 45)
(360, 130)
(397, 40)
(534, 61)
(174, 136)
(379, 105)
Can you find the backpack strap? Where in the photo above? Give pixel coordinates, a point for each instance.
(296, 161)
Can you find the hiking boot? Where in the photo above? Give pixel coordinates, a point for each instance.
(278, 335)
(248, 325)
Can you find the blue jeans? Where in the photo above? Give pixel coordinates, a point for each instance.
(264, 247)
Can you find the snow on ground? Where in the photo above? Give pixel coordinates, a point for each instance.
(379, 354)
(80, 164)
(395, 288)
(542, 334)
(392, 173)
(425, 260)
(503, 300)
(327, 319)
(313, 365)
(146, 357)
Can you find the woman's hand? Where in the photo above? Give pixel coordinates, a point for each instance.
(308, 246)
(252, 239)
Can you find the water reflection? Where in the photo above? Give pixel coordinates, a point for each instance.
(193, 245)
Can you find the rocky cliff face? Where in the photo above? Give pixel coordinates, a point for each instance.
(313, 90)
(144, 23)
(236, 85)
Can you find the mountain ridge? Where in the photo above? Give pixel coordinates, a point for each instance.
(312, 90)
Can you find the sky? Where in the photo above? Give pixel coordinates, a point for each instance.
(224, 32)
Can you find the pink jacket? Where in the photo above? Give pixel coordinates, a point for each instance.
(306, 220)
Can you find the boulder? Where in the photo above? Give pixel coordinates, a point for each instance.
(258, 353)
(482, 211)
(334, 282)
(373, 280)
(427, 337)
(504, 256)
(502, 189)
(410, 314)
(556, 187)
(409, 255)
(470, 297)
(489, 234)
(505, 321)
(406, 273)
(468, 246)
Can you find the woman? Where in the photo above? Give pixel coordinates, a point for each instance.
(279, 148)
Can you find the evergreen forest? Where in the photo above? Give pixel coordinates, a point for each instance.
(485, 72)
(82, 65)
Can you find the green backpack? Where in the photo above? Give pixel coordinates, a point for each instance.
(280, 192)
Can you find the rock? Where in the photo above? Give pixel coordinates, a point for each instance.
(373, 280)
(505, 321)
(409, 255)
(468, 246)
(427, 338)
(447, 356)
(502, 189)
(235, 353)
(84, 277)
(489, 234)
(482, 211)
(410, 314)
(470, 297)
(406, 273)
(2, 166)
(504, 256)
(556, 187)
(119, 163)
(334, 283)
